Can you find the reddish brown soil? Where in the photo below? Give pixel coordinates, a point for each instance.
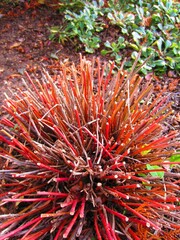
(25, 45)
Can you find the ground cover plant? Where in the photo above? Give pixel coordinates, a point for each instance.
(152, 26)
(85, 156)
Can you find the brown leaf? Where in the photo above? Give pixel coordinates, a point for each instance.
(15, 45)
(1, 69)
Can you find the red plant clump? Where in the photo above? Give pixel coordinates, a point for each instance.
(78, 158)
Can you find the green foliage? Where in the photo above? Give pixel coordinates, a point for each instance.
(150, 26)
(73, 5)
(153, 24)
(114, 48)
(83, 26)
(175, 158)
(155, 171)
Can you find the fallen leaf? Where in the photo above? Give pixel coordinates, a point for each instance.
(15, 45)
(54, 56)
(1, 70)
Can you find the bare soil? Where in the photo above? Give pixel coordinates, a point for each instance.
(25, 45)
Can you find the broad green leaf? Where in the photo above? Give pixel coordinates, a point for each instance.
(104, 52)
(107, 44)
(150, 37)
(136, 37)
(134, 55)
(55, 29)
(129, 18)
(159, 63)
(118, 58)
(120, 40)
(146, 186)
(134, 46)
(159, 43)
(114, 46)
(124, 30)
(110, 16)
(156, 18)
(155, 167)
(160, 26)
(169, 4)
(167, 44)
(140, 12)
(171, 62)
(89, 49)
(175, 158)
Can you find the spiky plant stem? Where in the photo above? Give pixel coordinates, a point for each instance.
(78, 155)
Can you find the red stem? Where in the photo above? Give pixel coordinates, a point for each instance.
(98, 235)
(71, 224)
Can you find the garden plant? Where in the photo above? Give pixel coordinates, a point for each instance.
(85, 155)
(132, 25)
(88, 149)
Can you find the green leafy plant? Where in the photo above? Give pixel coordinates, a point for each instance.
(114, 48)
(175, 159)
(155, 171)
(79, 158)
(150, 26)
(83, 26)
(122, 20)
(72, 5)
(155, 25)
